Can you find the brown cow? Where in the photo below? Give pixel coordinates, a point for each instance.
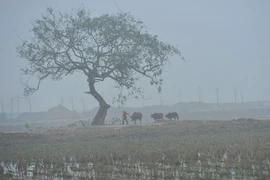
(157, 116)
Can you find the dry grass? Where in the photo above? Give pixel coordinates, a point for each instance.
(194, 149)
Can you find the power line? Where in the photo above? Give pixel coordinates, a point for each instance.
(217, 90)
(18, 105)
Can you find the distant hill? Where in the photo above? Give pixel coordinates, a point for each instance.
(57, 112)
(200, 106)
(62, 116)
(186, 110)
(61, 112)
(196, 110)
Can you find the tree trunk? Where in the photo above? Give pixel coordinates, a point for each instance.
(103, 106)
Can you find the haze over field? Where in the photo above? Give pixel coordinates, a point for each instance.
(226, 45)
(189, 80)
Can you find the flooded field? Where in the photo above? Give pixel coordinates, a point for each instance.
(238, 149)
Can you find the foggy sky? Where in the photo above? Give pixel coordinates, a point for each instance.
(226, 45)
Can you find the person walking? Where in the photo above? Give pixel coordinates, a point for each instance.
(124, 117)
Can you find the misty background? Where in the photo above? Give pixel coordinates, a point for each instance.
(226, 46)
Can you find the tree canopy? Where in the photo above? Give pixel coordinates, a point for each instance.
(117, 47)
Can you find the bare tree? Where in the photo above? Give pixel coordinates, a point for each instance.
(116, 47)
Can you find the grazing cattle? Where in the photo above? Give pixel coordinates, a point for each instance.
(135, 116)
(172, 115)
(157, 116)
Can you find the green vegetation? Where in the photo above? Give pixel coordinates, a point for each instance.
(27, 126)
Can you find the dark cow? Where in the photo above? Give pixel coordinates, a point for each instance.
(157, 116)
(172, 115)
(135, 116)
